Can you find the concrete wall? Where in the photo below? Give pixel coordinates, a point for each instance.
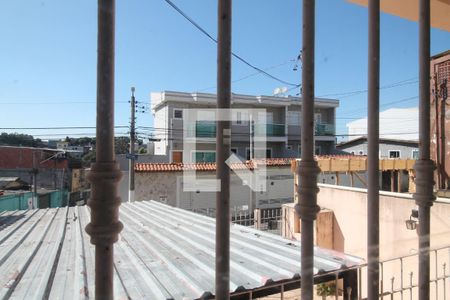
(348, 227)
(350, 208)
(169, 186)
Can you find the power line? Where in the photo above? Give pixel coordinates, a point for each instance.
(358, 92)
(196, 25)
(56, 128)
(57, 102)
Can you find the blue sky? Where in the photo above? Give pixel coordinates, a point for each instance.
(48, 56)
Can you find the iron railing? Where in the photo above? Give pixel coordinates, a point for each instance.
(268, 220)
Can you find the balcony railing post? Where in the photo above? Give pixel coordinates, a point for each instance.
(424, 166)
(105, 173)
(307, 169)
(223, 151)
(373, 227)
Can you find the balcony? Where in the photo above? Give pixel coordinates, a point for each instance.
(272, 130)
(322, 129)
(202, 129)
(207, 129)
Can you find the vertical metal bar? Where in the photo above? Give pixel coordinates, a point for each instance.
(436, 272)
(359, 283)
(105, 173)
(392, 288)
(401, 276)
(223, 151)
(444, 281)
(410, 285)
(382, 278)
(282, 292)
(336, 289)
(424, 167)
(132, 150)
(307, 169)
(373, 227)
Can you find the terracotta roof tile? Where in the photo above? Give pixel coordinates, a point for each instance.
(249, 164)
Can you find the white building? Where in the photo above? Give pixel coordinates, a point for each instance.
(283, 119)
(395, 124)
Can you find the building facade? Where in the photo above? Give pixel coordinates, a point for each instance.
(389, 148)
(283, 119)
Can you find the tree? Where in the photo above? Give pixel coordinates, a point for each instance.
(16, 139)
(122, 144)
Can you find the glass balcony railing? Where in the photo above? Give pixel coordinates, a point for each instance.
(324, 129)
(202, 129)
(207, 129)
(271, 129)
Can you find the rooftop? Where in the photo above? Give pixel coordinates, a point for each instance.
(162, 253)
(160, 98)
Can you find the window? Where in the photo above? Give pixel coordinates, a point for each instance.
(394, 153)
(361, 152)
(234, 150)
(178, 113)
(318, 150)
(294, 118)
(415, 154)
(289, 147)
(318, 118)
(203, 156)
(240, 118)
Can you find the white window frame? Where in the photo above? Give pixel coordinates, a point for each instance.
(175, 110)
(298, 117)
(412, 153)
(238, 121)
(399, 154)
(318, 118)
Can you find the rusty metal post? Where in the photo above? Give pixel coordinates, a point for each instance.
(223, 141)
(373, 206)
(307, 168)
(105, 173)
(424, 166)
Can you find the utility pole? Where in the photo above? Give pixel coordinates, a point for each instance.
(35, 171)
(132, 141)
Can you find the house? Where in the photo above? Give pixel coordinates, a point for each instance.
(440, 115)
(395, 124)
(164, 182)
(50, 165)
(283, 119)
(389, 148)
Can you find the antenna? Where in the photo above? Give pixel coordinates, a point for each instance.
(280, 91)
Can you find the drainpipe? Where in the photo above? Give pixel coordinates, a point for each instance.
(223, 141)
(373, 206)
(307, 168)
(105, 173)
(424, 166)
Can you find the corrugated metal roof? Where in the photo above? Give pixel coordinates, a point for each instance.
(162, 253)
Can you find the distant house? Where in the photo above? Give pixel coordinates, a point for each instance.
(164, 182)
(389, 148)
(51, 165)
(395, 124)
(282, 132)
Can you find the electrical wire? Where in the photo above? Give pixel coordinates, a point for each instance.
(202, 30)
